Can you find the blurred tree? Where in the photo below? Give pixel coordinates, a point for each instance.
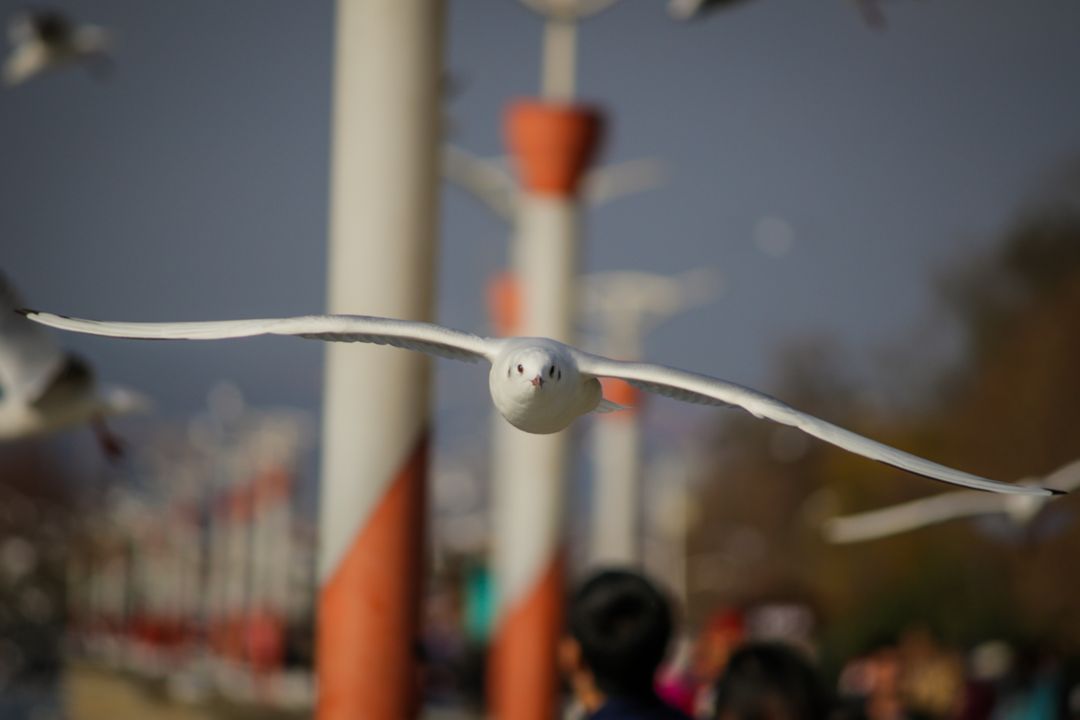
(752, 545)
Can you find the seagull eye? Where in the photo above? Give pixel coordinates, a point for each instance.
(520, 369)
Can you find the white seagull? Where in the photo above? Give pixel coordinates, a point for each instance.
(896, 519)
(539, 385)
(43, 389)
(44, 39)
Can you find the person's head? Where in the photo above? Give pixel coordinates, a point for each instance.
(769, 681)
(619, 627)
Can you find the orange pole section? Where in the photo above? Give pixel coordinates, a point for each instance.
(522, 687)
(504, 304)
(623, 393)
(373, 597)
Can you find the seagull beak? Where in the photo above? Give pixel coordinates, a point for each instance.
(537, 382)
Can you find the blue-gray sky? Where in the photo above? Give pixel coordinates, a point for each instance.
(193, 183)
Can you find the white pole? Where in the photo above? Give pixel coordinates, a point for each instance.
(531, 469)
(616, 507)
(530, 476)
(559, 72)
(382, 257)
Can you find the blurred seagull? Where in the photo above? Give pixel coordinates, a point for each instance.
(43, 40)
(895, 519)
(694, 9)
(871, 13)
(43, 389)
(539, 385)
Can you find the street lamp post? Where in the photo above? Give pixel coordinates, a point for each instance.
(626, 305)
(382, 254)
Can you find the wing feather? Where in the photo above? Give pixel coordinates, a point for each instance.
(406, 334)
(693, 387)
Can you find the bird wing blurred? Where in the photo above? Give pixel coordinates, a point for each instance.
(29, 359)
(692, 387)
(1066, 477)
(906, 516)
(419, 336)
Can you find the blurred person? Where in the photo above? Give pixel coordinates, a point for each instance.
(869, 685)
(32, 623)
(1072, 702)
(885, 700)
(932, 679)
(443, 640)
(619, 628)
(676, 684)
(988, 663)
(724, 633)
(1033, 689)
(769, 681)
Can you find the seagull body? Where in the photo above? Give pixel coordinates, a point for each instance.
(44, 389)
(43, 40)
(535, 384)
(896, 519)
(539, 385)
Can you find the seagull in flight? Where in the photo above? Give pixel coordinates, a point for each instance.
(45, 39)
(539, 385)
(43, 388)
(896, 519)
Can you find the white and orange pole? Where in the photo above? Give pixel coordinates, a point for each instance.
(552, 144)
(625, 305)
(616, 479)
(265, 626)
(382, 253)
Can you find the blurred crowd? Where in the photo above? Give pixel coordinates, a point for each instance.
(623, 656)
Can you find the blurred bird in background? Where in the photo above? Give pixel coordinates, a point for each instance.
(43, 40)
(44, 389)
(895, 519)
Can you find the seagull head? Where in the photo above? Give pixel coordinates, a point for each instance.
(39, 26)
(534, 370)
(535, 384)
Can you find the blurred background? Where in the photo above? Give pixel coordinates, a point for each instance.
(882, 204)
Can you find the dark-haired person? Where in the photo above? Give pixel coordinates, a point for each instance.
(619, 628)
(769, 681)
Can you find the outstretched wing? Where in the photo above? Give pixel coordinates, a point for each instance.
(1066, 477)
(419, 336)
(910, 515)
(29, 359)
(692, 387)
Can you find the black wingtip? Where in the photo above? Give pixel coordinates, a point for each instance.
(24, 311)
(1055, 491)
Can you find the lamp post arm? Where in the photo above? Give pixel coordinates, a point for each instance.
(612, 182)
(483, 179)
